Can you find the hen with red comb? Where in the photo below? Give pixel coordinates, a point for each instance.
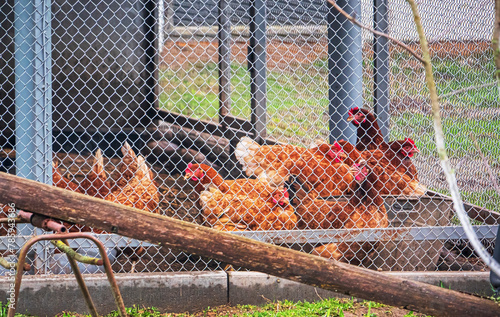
(368, 131)
(231, 212)
(364, 209)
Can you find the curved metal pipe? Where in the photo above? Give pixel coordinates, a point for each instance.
(75, 235)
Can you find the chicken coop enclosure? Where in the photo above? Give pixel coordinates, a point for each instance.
(115, 99)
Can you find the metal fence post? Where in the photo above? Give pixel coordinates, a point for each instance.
(224, 66)
(495, 279)
(345, 69)
(33, 95)
(381, 67)
(257, 68)
(224, 38)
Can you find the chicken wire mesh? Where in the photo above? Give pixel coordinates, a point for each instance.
(186, 81)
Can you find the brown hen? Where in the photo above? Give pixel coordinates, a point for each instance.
(205, 176)
(96, 183)
(321, 168)
(61, 181)
(136, 187)
(64, 182)
(396, 173)
(231, 212)
(256, 158)
(364, 209)
(368, 132)
(370, 137)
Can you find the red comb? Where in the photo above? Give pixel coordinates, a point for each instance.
(353, 109)
(410, 141)
(337, 146)
(286, 194)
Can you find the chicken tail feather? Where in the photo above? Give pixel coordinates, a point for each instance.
(245, 151)
(127, 151)
(98, 167)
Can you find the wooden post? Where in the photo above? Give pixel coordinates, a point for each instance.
(267, 258)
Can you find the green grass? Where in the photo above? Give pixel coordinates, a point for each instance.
(476, 70)
(450, 75)
(193, 92)
(459, 134)
(4, 309)
(331, 307)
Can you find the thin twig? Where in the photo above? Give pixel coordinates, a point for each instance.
(266, 299)
(316, 290)
(354, 21)
(495, 43)
(456, 92)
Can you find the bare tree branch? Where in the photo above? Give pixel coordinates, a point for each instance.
(495, 43)
(354, 21)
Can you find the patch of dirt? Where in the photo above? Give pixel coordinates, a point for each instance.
(287, 54)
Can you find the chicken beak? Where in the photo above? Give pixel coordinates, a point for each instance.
(341, 155)
(188, 176)
(350, 118)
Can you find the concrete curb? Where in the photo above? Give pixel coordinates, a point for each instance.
(192, 291)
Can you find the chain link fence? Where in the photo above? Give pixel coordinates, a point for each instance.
(125, 100)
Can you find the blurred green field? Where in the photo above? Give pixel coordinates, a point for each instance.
(297, 103)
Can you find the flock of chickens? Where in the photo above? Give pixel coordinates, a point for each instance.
(364, 171)
(288, 188)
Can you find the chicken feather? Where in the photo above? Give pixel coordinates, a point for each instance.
(364, 209)
(239, 212)
(205, 176)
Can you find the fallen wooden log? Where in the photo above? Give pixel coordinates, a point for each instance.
(267, 258)
(216, 149)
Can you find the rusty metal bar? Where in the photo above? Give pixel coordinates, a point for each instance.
(111, 277)
(357, 235)
(80, 281)
(314, 236)
(42, 222)
(57, 236)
